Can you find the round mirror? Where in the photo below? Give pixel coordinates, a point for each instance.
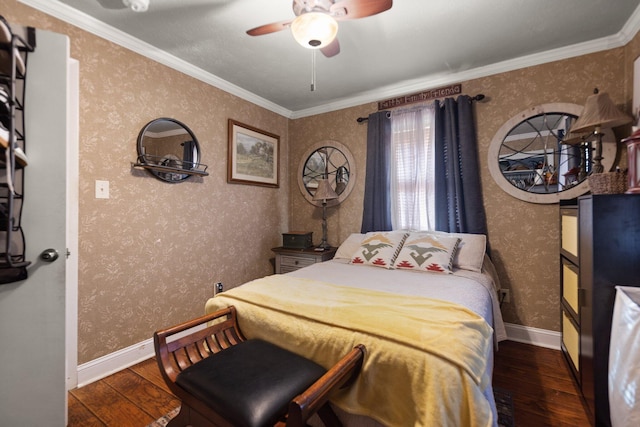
(169, 150)
(327, 160)
(529, 158)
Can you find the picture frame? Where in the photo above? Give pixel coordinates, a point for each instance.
(253, 156)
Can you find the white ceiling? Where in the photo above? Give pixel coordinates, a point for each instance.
(414, 46)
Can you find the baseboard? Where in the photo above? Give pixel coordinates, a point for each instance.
(114, 362)
(121, 359)
(535, 336)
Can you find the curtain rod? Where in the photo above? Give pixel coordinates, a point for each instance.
(478, 97)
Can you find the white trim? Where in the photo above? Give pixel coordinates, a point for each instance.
(88, 23)
(72, 190)
(535, 336)
(92, 25)
(114, 362)
(435, 81)
(121, 359)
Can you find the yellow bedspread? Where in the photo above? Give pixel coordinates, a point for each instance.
(426, 359)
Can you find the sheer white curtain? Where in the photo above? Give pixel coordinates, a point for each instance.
(412, 169)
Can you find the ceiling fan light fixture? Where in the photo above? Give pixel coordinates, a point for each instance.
(314, 30)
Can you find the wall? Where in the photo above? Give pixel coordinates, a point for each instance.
(523, 236)
(149, 254)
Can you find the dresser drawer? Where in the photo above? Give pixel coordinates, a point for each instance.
(295, 261)
(569, 231)
(570, 289)
(571, 340)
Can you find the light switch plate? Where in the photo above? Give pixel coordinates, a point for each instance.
(102, 189)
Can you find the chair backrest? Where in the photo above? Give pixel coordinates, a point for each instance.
(211, 333)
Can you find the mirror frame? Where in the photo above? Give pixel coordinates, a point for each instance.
(169, 173)
(609, 153)
(352, 172)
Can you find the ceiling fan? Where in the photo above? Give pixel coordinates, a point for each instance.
(315, 25)
(135, 5)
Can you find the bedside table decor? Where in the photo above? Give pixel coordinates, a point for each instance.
(324, 193)
(599, 112)
(297, 240)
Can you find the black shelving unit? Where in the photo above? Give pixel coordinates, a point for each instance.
(15, 45)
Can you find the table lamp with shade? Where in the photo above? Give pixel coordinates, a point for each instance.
(599, 112)
(323, 193)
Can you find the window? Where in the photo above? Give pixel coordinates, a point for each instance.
(412, 169)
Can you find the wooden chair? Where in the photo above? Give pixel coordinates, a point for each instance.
(224, 379)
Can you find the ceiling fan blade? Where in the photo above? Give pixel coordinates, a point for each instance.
(112, 4)
(269, 28)
(332, 49)
(354, 9)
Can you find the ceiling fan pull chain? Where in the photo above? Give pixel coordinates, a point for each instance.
(313, 70)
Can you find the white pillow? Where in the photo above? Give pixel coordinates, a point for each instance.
(379, 249)
(427, 252)
(349, 246)
(471, 250)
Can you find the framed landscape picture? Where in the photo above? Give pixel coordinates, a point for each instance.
(253, 156)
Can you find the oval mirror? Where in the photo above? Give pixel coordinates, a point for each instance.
(327, 160)
(529, 158)
(169, 150)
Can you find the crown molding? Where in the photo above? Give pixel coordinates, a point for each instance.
(435, 81)
(92, 25)
(107, 32)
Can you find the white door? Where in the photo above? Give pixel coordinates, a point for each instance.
(32, 312)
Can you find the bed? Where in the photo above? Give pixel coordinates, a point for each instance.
(430, 328)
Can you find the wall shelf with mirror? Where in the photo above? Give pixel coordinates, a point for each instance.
(169, 150)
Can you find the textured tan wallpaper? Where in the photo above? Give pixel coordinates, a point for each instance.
(150, 254)
(523, 236)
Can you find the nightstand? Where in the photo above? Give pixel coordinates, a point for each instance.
(288, 260)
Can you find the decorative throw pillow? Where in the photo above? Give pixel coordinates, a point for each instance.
(379, 249)
(427, 252)
(349, 246)
(471, 250)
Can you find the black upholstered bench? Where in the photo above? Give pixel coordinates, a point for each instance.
(225, 380)
(251, 383)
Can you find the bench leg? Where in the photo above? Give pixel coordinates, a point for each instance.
(328, 416)
(189, 417)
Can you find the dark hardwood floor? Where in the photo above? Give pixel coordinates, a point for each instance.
(543, 392)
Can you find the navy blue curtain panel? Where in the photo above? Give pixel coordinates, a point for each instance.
(459, 207)
(376, 215)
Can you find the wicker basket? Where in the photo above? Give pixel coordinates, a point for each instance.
(608, 182)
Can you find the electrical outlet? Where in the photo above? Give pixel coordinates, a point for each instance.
(504, 296)
(217, 288)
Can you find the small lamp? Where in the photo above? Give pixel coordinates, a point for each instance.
(599, 112)
(324, 193)
(314, 30)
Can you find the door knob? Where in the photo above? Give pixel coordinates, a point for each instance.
(49, 255)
